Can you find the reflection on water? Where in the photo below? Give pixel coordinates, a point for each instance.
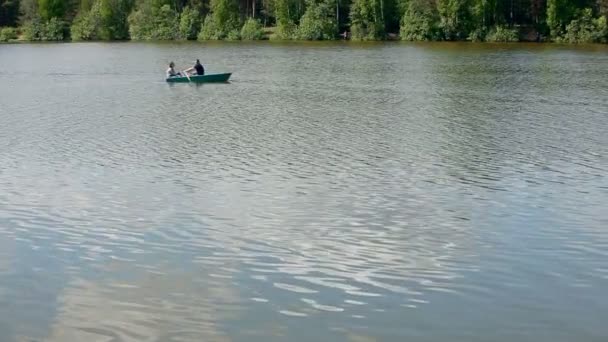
(330, 192)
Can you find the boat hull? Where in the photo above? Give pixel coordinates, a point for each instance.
(211, 78)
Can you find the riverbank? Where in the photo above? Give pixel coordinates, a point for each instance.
(586, 30)
(16, 36)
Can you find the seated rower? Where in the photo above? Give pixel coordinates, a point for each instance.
(198, 67)
(171, 71)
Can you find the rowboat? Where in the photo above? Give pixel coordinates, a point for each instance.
(212, 78)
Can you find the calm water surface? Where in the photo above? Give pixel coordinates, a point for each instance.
(387, 192)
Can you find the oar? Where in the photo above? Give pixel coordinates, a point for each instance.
(188, 77)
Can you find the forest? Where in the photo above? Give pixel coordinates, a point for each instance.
(567, 21)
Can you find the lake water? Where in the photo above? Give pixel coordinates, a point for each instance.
(330, 192)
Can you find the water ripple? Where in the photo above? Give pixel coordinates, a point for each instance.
(407, 184)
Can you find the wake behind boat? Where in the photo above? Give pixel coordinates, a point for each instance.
(211, 78)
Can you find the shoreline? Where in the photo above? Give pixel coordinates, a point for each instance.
(306, 42)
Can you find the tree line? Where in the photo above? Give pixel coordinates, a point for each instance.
(415, 20)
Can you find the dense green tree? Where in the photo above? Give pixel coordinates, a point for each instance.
(28, 10)
(559, 14)
(502, 34)
(477, 20)
(478, 11)
(52, 8)
(285, 25)
(7, 34)
(252, 30)
(114, 16)
(189, 23)
(455, 19)
(150, 22)
(88, 23)
(420, 21)
(222, 22)
(586, 29)
(54, 29)
(367, 19)
(318, 22)
(107, 20)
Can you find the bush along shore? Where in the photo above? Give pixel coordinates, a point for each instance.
(570, 21)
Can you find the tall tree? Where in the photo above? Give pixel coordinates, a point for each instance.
(455, 18)
(114, 16)
(367, 19)
(28, 10)
(318, 22)
(285, 23)
(420, 21)
(559, 14)
(52, 8)
(155, 19)
(223, 21)
(189, 23)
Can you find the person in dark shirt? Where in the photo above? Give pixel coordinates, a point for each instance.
(198, 68)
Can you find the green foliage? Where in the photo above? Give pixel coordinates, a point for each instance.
(140, 24)
(559, 13)
(48, 9)
(233, 35)
(114, 18)
(105, 20)
(226, 14)
(570, 21)
(586, 29)
(222, 22)
(285, 30)
(420, 21)
(285, 25)
(7, 34)
(455, 19)
(252, 30)
(477, 11)
(85, 6)
(189, 23)
(367, 20)
(32, 30)
(502, 34)
(28, 10)
(151, 23)
(165, 24)
(477, 35)
(210, 30)
(601, 26)
(38, 30)
(318, 22)
(55, 30)
(87, 25)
